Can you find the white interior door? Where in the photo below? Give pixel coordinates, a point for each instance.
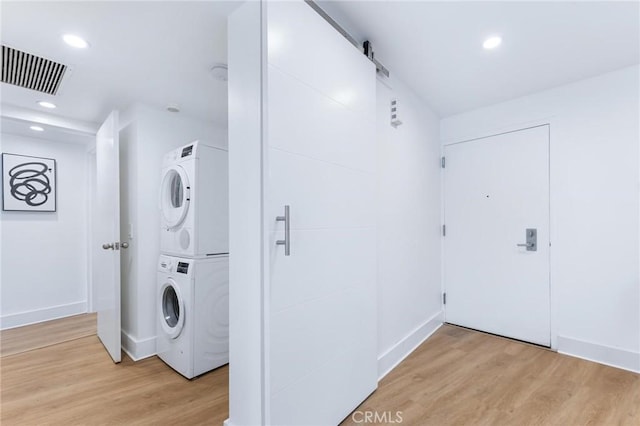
(321, 162)
(497, 188)
(106, 260)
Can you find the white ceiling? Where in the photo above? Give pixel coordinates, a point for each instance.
(436, 47)
(50, 133)
(153, 52)
(160, 52)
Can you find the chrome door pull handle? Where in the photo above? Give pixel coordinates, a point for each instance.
(107, 246)
(526, 245)
(287, 237)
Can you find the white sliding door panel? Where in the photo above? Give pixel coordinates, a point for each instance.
(337, 272)
(341, 143)
(310, 50)
(317, 342)
(324, 195)
(495, 189)
(339, 384)
(321, 161)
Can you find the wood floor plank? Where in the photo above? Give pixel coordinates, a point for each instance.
(463, 377)
(30, 337)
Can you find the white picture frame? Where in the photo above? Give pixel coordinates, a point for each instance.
(28, 183)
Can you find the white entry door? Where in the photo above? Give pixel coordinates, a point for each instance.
(106, 259)
(497, 234)
(321, 163)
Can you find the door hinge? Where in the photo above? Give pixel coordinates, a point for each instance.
(444, 230)
(444, 298)
(442, 162)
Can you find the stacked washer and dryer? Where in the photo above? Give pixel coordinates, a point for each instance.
(193, 269)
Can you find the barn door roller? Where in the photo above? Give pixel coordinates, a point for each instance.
(366, 47)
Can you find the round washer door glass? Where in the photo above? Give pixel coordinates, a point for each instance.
(174, 196)
(172, 307)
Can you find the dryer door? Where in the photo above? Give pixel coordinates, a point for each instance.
(175, 196)
(171, 309)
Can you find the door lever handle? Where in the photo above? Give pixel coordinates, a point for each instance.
(287, 237)
(526, 245)
(108, 246)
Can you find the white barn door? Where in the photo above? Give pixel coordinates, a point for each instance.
(321, 163)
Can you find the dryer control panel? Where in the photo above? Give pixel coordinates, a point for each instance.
(184, 153)
(187, 151)
(174, 265)
(183, 268)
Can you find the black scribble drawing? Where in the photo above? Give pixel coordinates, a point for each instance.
(29, 183)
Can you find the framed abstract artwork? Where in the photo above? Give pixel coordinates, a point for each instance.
(28, 183)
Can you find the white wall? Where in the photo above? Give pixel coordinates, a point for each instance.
(146, 135)
(594, 207)
(246, 356)
(44, 255)
(409, 283)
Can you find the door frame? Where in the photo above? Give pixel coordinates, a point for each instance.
(91, 239)
(552, 122)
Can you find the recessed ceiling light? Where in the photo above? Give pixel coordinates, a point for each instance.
(75, 41)
(36, 128)
(45, 104)
(492, 42)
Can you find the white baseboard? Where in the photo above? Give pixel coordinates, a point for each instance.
(398, 352)
(607, 355)
(138, 349)
(40, 315)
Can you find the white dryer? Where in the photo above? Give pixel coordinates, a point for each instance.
(194, 201)
(193, 313)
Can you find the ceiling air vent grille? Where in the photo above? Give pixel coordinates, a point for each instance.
(31, 72)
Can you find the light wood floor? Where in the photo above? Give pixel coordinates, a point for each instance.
(462, 377)
(30, 337)
(76, 383)
(458, 377)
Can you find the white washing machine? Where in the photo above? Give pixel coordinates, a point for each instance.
(194, 201)
(193, 313)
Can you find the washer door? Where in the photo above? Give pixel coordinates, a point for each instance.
(171, 309)
(174, 196)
